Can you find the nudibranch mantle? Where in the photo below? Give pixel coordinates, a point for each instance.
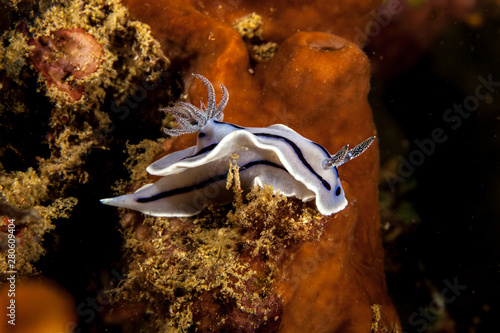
(274, 155)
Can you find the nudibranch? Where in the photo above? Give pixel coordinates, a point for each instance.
(274, 155)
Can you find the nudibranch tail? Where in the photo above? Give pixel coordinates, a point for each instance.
(190, 118)
(345, 155)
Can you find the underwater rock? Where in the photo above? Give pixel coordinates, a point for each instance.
(50, 55)
(316, 83)
(202, 37)
(67, 54)
(279, 19)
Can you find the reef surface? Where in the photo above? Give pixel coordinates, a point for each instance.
(277, 69)
(264, 263)
(63, 70)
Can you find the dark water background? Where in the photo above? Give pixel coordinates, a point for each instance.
(457, 183)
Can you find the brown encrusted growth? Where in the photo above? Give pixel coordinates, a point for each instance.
(120, 71)
(124, 53)
(13, 56)
(68, 155)
(249, 26)
(377, 326)
(261, 219)
(376, 317)
(250, 29)
(48, 136)
(109, 23)
(29, 232)
(264, 51)
(233, 181)
(26, 197)
(140, 156)
(181, 268)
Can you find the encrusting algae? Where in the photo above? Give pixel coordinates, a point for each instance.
(30, 228)
(66, 69)
(227, 262)
(250, 29)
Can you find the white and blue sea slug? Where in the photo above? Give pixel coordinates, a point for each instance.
(274, 155)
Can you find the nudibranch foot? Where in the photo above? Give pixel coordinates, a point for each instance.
(274, 155)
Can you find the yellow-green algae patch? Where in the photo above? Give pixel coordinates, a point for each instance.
(47, 137)
(264, 51)
(140, 156)
(130, 51)
(25, 197)
(377, 326)
(250, 27)
(214, 271)
(31, 223)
